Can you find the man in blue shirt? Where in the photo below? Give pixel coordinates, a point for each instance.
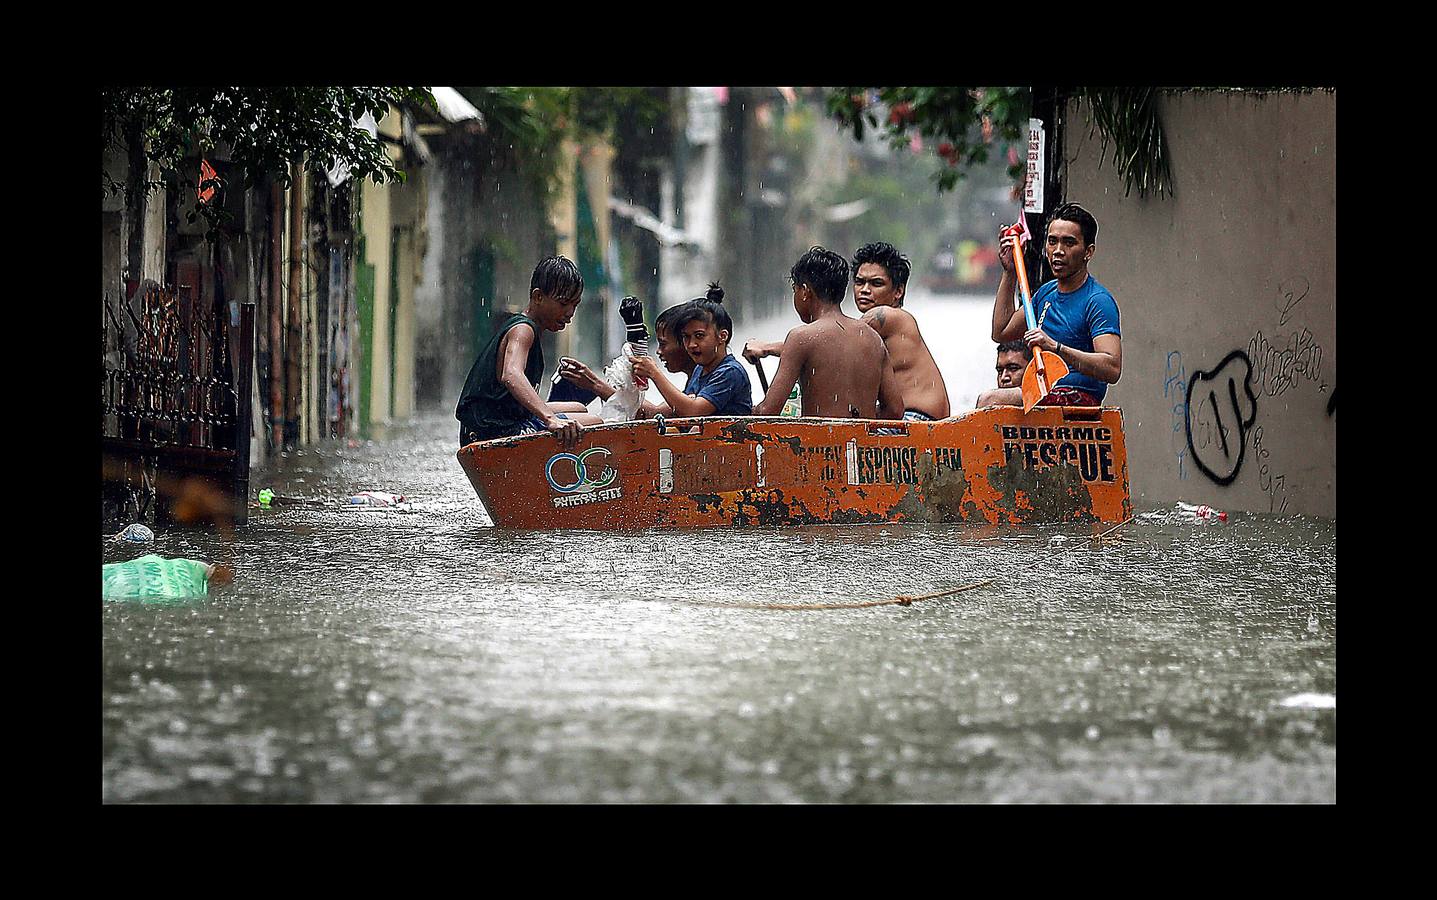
(1077, 316)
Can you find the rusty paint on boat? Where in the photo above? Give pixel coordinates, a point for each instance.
(993, 466)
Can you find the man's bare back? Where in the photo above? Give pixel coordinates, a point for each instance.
(913, 365)
(841, 363)
(842, 369)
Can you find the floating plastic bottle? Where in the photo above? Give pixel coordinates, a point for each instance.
(135, 534)
(1205, 514)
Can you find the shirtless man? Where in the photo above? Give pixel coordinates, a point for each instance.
(880, 280)
(840, 364)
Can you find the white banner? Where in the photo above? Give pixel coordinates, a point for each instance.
(1033, 183)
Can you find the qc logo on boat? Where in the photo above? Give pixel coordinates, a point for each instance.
(589, 472)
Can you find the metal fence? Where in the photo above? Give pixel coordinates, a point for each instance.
(175, 405)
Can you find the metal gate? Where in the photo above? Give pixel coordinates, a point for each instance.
(175, 405)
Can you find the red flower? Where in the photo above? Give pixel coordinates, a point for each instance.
(901, 112)
(945, 149)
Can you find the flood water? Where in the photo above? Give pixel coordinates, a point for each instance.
(425, 656)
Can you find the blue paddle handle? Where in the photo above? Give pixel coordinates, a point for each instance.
(1020, 266)
(1028, 310)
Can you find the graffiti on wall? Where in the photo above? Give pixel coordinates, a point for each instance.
(1221, 407)
(1273, 484)
(1280, 366)
(1217, 409)
(1290, 293)
(1175, 391)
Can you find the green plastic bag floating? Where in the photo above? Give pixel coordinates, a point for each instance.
(154, 578)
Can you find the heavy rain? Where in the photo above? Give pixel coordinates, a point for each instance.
(307, 596)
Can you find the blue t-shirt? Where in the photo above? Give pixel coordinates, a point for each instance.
(1075, 319)
(727, 388)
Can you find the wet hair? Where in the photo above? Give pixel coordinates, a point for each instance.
(825, 272)
(666, 318)
(1072, 212)
(1016, 347)
(887, 256)
(558, 277)
(708, 308)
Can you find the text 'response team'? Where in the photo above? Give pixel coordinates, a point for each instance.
(874, 367)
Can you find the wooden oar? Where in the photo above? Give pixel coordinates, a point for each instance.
(1046, 368)
(762, 378)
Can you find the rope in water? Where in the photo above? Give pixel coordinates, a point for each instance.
(1096, 537)
(900, 600)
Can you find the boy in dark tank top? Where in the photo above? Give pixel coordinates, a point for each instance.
(501, 394)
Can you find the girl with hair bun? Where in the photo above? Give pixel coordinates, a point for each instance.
(719, 385)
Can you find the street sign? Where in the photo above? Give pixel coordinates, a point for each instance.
(1033, 181)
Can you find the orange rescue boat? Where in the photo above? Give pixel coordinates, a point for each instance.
(993, 466)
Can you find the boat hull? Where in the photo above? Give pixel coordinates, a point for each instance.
(992, 466)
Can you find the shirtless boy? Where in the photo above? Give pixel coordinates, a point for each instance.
(840, 364)
(880, 280)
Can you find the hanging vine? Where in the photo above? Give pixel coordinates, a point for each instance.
(1128, 123)
(964, 122)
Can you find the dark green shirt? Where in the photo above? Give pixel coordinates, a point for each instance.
(486, 408)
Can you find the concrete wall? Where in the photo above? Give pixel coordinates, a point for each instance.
(1227, 292)
(396, 239)
(409, 210)
(429, 319)
(376, 223)
(472, 205)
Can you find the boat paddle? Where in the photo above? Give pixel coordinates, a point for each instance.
(1046, 368)
(762, 378)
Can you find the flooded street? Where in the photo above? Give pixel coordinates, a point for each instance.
(300, 284)
(425, 656)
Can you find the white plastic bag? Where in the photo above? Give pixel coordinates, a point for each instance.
(624, 404)
(377, 500)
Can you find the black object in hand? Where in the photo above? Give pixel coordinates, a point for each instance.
(631, 310)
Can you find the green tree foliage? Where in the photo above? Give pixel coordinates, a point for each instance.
(965, 122)
(960, 123)
(264, 128)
